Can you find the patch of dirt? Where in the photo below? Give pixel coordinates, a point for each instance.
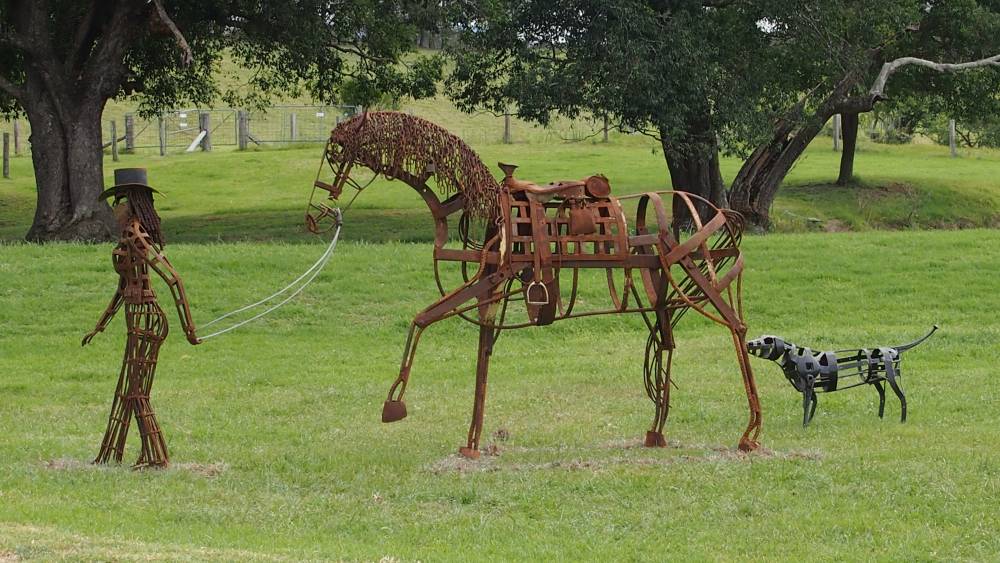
(203, 469)
(66, 464)
(836, 226)
(8, 557)
(458, 464)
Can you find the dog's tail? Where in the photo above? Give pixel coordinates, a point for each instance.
(917, 341)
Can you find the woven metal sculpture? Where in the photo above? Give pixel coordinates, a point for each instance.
(815, 372)
(520, 242)
(139, 249)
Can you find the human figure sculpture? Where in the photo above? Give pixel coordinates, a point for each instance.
(139, 249)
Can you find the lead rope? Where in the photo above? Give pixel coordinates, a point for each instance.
(309, 275)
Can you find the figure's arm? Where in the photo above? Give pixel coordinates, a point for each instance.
(109, 313)
(159, 263)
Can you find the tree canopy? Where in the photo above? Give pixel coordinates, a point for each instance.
(61, 60)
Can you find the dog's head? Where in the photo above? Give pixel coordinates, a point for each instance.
(768, 347)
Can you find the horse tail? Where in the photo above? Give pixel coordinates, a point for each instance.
(917, 341)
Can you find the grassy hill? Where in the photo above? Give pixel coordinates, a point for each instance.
(259, 194)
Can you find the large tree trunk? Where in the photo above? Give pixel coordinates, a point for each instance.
(68, 160)
(755, 186)
(849, 124)
(694, 170)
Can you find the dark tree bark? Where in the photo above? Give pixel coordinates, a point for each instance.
(758, 180)
(849, 130)
(693, 163)
(63, 94)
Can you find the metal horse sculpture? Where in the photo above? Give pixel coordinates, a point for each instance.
(523, 242)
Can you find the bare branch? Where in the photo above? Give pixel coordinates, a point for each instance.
(877, 91)
(181, 41)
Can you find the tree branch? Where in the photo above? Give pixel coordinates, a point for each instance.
(84, 34)
(877, 91)
(15, 91)
(181, 41)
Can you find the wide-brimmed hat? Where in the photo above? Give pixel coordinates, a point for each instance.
(128, 179)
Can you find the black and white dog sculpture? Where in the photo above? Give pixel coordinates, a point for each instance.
(811, 372)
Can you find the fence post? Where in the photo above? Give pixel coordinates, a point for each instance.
(951, 138)
(205, 124)
(836, 132)
(17, 138)
(506, 127)
(242, 129)
(129, 133)
(163, 135)
(114, 141)
(293, 125)
(6, 154)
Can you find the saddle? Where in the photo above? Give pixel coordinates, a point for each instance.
(546, 240)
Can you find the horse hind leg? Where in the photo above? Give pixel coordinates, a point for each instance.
(749, 440)
(658, 381)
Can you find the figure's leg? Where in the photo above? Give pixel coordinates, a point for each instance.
(120, 419)
(658, 377)
(881, 397)
(890, 375)
(815, 403)
(471, 448)
(154, 447)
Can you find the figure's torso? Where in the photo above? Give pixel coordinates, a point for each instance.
(130, 263)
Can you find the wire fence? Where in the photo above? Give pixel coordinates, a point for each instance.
(192, 129)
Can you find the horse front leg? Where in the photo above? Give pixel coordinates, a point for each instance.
(486, 338)
(449, 305)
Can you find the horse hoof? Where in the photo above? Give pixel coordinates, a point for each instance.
(655, 440)
(747, 445)
(393, 411)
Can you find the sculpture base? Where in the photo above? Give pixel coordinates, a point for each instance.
(467, 452)
(655, 440)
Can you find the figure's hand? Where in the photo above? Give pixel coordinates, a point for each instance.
(89, 336)
(193, 339)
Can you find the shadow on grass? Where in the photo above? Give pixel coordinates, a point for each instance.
(287, 225)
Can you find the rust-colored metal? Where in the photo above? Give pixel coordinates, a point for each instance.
(139, 249)
(532, 243)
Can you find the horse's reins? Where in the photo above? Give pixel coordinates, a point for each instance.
(309, 275)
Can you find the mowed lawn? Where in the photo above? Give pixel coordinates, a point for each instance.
(274, 431)
(279, 453)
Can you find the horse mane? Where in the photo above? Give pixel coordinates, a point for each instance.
(393, 143)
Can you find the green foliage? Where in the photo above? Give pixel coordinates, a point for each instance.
(281, 47)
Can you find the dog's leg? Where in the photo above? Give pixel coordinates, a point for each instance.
(807, 394)
(815, 401)
(890, 375)
(881, 398)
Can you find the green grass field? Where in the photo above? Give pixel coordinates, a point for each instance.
(274, 429)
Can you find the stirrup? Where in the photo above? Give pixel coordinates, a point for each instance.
(545, 291)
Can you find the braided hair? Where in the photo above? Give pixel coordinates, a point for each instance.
(141, 203)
